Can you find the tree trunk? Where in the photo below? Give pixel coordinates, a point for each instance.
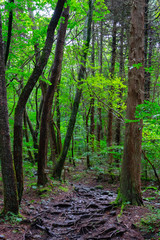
(121, 74)
(112, 70)
(130, 184)
(48, 101)
(27, 137)
(10, 21)
(92, 123)
(18, 118)
(87, 137)
(99, 110)
(146, 36)
(58, 117)
(59, 166)
(8, 173)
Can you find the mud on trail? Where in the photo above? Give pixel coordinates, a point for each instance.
(84, 212)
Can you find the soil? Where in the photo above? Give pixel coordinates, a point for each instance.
(79, 209)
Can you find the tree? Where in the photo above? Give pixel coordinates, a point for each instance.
(19, 110)
(47, 107)
(130, 185)
(8, 173)
(87, 35)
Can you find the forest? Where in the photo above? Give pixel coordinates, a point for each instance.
(79, 119)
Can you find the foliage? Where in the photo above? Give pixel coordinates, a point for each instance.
(12, 218)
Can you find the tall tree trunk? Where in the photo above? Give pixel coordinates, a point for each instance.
(148, 74)
(121, 74)
(99, 110)
(87, 138)
(58, 117)
(27, 137)
(87, 34)
(92, 123)
(48, 101)
(9, 35)
(130, 184)
(7, 166)
(18, 118)
(112, 70)
(146, 37)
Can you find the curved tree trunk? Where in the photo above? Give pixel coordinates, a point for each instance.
(8, 174)
(48, 101)
(130, 185)
(18, 118)
(87, 35)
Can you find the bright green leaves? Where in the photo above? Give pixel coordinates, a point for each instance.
(148, 110)
(100, 10)
(106, 90)
(136, 65)
(150, 113)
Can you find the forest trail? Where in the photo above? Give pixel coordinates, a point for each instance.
(77, 210)
(86, 213)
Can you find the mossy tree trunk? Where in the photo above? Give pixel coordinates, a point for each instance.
(130, 185)
(8, 173)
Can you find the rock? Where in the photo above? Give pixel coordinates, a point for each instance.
(112, 213)
(37, 236)
(2, 237)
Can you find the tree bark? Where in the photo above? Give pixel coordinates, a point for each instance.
(18, 118)
(48, 101)
(112, 70)
(146, 36)
(121, 74)
(9, 35)
(130, 184)
(58, 118)
(99, 110)
(27, 137)
(92, 123)
(8, 173)
(87, 35)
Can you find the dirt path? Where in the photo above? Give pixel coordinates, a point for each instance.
(75, 211)
(85, 214)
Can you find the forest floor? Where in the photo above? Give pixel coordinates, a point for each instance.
(81, 209)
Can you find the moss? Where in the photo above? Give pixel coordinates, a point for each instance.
(99, 187)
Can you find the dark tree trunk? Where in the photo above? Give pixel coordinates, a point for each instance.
(27, 137)
(146, 37)
(87, 138)
(8, 174)
(99, 110)
(48, 101)
(110, 113)
(92, 123)
(121, 74)
(59, 166)
(58, 117)
(99, 127)
(10, 20)
(18, 118)
(147, 84)
(130, 184)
